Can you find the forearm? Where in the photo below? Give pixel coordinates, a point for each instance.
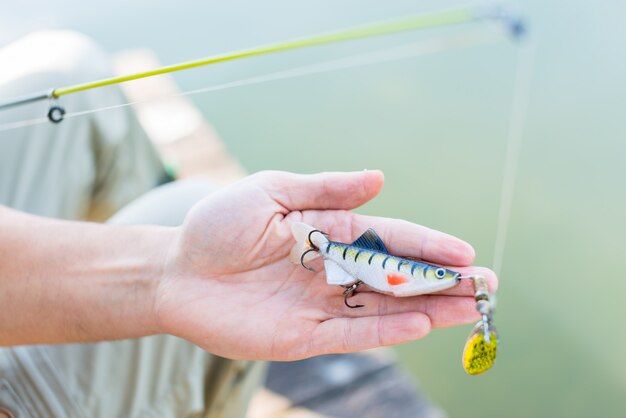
(71, 281)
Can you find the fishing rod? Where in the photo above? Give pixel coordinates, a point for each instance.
(56, 112)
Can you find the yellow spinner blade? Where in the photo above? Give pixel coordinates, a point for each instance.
(479, 355)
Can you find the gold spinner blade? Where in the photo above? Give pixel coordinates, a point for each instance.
(480, 354)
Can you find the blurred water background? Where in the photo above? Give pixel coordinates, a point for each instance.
(437, 125)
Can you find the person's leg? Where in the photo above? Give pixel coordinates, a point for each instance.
(85, 167)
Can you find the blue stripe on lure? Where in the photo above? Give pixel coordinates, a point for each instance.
(367, 260)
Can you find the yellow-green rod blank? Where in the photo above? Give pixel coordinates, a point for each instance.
(442, 18)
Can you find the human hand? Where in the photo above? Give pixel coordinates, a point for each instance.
(229, 287)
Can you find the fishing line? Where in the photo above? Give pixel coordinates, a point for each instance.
(9, 126)
(519, 110)
(477, 37)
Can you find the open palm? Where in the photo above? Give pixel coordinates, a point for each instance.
(230, 288)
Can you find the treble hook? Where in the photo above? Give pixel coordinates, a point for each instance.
(349, 292)
(313, 248)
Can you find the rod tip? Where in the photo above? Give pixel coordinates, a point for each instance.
(514, 22)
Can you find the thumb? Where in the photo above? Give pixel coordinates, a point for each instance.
(330, 190)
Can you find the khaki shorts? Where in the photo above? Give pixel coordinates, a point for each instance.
(88, 168)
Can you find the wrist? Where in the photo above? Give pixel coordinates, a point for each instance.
(153, 257)
(123, 281)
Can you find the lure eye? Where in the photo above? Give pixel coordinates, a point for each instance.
(440, 273)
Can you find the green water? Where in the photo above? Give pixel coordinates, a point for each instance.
(437, 126)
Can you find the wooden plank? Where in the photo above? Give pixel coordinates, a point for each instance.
(365, 385)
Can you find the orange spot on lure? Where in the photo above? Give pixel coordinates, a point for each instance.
(396, 279)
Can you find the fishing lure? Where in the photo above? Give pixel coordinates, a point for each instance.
(367, 261)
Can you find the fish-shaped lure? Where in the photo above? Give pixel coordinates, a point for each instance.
(367, 261)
